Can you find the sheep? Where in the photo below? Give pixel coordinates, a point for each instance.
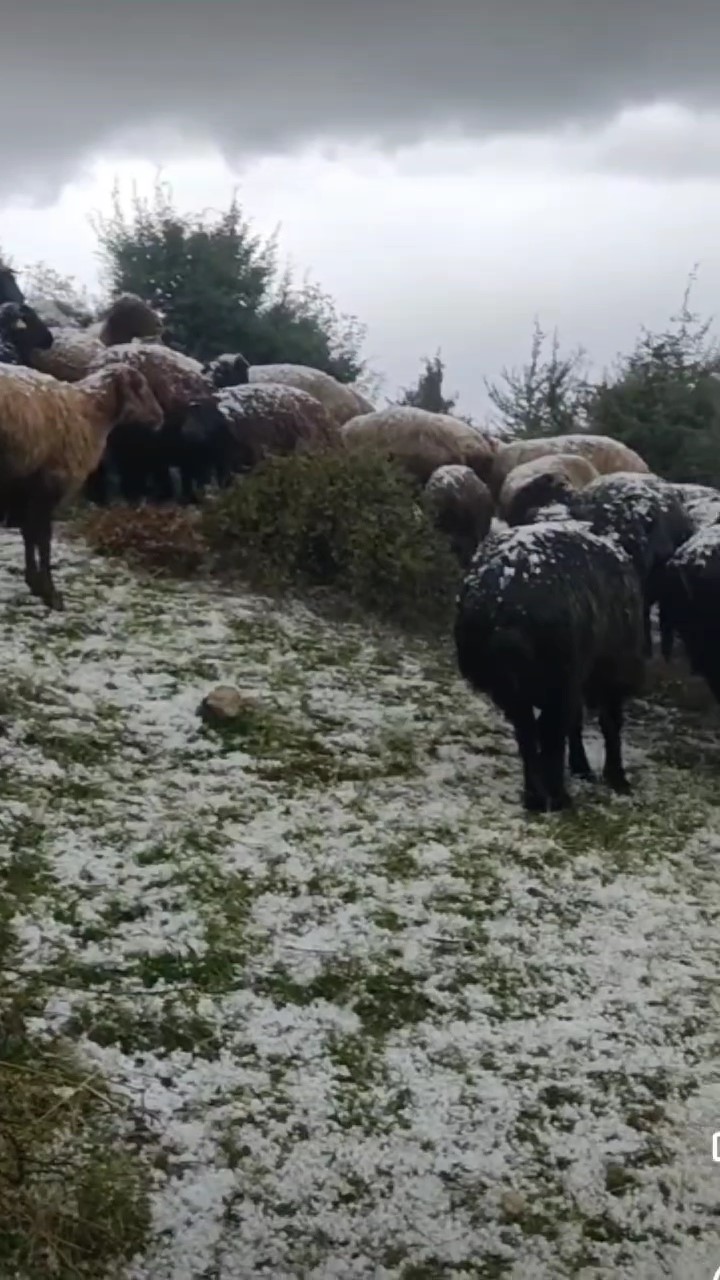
(419, 441)
(141, 457)
(461, 507)
(550, 617)
(645, 516)
(690, 604)
(364, 405)
(52, 435)
(21, 330)
(129, 317)
(340, 401)
(228, 370)
(606, 455)
(701, 502)
(231, 431)
(539, 481)
(71, 356)
(10, 290)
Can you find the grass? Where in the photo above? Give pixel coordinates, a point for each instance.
(313, 987)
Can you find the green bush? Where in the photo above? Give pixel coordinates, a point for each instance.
(350, 523)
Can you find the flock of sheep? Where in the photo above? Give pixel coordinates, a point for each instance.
(567, 542)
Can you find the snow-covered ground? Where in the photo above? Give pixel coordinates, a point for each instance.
(377, 1023)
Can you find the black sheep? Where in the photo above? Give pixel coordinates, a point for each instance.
(549, 618)
(690, 604)
(10, 290)
(646, 517)
(21, 332)
(228, 370)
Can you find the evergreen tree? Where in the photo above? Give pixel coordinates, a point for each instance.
(546, 396)
(428, 390)
(664, 399)
(219, 287)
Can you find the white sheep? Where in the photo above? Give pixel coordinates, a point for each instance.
(541, 481)
(341, 401)
(52, 436)
(71, 356)
(606, 455)
(421, 441)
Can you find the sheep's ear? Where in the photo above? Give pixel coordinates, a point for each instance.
(19, 324)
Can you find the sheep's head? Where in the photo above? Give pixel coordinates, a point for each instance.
(545, 490)
(22, 326)
(228, 371)
(134, 399)
(203, 419)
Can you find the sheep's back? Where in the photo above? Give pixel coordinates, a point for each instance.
(571, 595)
(572, 468)
(72, 355)
(265, 419)
(606, 455)
(420, 441)
(459, 501)
(175, 379)
(642, 511)
(339, 400)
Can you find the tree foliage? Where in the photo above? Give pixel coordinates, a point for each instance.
(219, 286)
(428, 390)
(546, 396)
(663, 399)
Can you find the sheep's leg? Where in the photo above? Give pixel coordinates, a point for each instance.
(647, 628)
(534, 797)
(96, 486)
(553, 735)
(32, 577)
(579, 763)
(611, 724)
(667, 632)
(43, 538)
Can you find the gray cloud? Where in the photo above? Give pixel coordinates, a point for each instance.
(255, 77)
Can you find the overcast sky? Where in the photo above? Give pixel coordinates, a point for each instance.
(447, 171)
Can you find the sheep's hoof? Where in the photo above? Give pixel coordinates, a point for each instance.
(54, 600)
(533, 802)
(617, 782)
(581, 769)
(556, 804)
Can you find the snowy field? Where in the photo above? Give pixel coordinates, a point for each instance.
(371, 1020)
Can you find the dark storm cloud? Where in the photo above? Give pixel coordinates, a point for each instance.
(262, 75)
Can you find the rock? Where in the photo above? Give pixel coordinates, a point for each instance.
(513, 1205)
(225, 704)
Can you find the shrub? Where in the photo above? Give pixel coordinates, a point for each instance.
(354, 525)
(165, 540)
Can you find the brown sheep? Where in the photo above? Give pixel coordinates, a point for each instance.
(129, 317)
(237, 427)
(175, 379)
(52, 435)
(461, 507)
(606, 455)
(542, 481)
(421, 441)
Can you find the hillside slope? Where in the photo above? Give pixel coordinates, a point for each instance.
(371, 1020)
